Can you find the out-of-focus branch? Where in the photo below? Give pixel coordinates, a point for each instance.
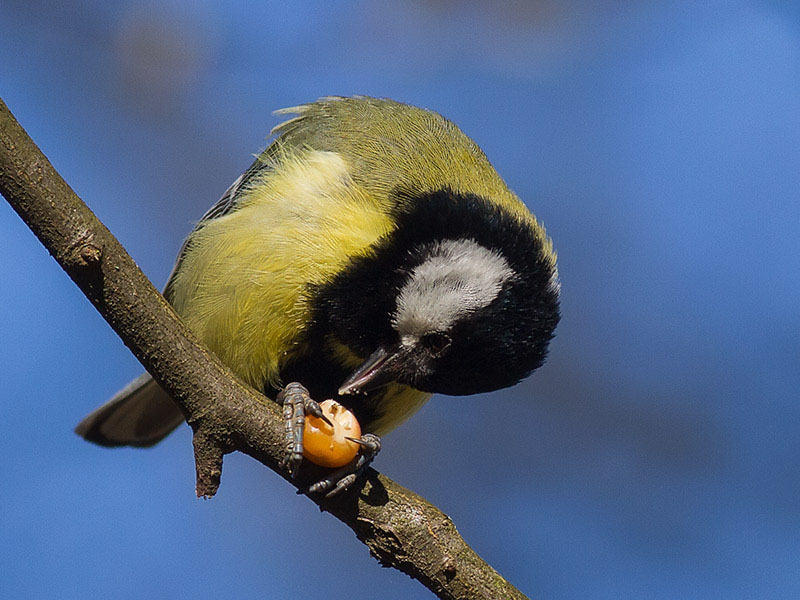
(401, 529)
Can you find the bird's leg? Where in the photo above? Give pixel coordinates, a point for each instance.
(296, 405)
(341, 479)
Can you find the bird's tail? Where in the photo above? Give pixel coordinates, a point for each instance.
(142, 414)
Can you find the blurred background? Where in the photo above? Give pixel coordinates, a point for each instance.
(656, 455)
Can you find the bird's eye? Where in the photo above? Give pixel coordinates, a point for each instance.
(436, 342)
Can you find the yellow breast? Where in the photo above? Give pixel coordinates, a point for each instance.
(243, 286)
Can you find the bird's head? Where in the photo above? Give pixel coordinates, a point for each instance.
(461, 298)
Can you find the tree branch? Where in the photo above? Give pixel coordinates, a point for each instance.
(401, 529)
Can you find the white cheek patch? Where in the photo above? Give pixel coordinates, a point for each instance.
(457, 278)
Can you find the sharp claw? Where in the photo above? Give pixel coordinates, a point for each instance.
(315, 409)
(358, 441)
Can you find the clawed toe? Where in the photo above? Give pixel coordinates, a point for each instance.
(296, 405)
(341, 479)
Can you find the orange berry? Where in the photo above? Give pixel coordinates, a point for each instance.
(326, 446)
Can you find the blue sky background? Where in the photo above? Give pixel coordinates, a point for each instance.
(656, 455)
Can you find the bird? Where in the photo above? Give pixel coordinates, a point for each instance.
(370, 254)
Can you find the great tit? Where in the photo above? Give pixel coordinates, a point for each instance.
(370, 253)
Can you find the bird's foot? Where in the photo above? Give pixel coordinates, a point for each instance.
(296, 405)
(341, 479)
